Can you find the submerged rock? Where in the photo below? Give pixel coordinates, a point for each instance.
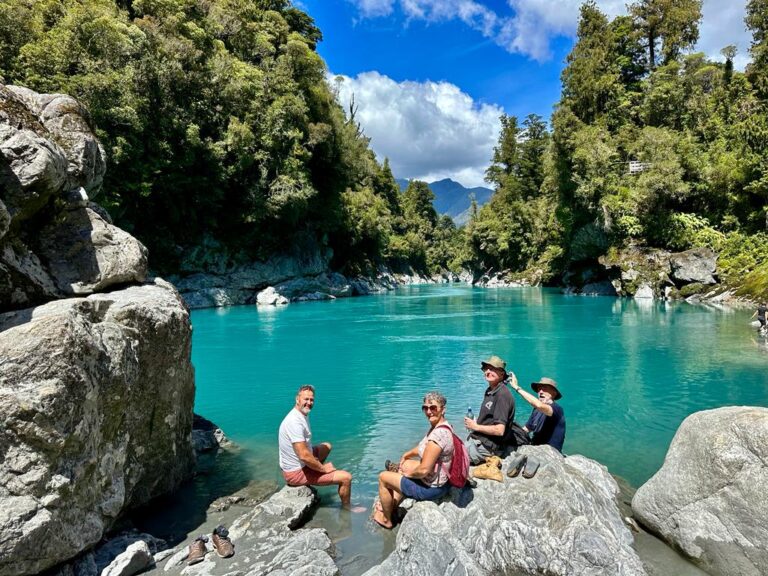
(207, 437)
(563, 521)
(96, 399)
(709, 498)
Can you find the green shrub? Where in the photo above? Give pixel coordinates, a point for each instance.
(691, 289)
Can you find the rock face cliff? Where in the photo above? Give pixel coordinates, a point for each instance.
(709, 498)
(96, 390)
(647, 273)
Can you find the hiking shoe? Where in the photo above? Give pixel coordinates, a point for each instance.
(390, 466)
(493, 461)
(488, 471)
(221, 542)
(197, 550)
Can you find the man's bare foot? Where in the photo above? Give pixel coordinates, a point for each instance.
(356, 509)
(379, 518)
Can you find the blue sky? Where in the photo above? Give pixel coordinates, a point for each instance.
(431, 77)
(420, 50)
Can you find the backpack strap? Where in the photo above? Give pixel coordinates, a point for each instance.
(440, 462)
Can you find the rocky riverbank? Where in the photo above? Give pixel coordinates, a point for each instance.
(571, 518)
(291, 278)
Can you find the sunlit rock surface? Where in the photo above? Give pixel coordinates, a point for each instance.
(96, 402)
(709, 498)
(563, 521)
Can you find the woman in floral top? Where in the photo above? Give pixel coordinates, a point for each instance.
(423, 470)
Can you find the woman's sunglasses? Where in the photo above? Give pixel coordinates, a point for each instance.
(430, 408)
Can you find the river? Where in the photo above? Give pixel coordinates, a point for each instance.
(630, 372)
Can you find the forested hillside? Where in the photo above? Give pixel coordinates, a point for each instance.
(696, 131)
(220, 129)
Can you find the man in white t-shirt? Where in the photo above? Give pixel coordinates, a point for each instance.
(303, 464)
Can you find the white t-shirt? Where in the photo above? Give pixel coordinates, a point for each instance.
(294, 428)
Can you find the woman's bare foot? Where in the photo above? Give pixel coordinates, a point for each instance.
(380, 519)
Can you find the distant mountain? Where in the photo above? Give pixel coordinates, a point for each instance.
(453, 199)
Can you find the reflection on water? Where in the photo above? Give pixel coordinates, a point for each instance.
(630, 372)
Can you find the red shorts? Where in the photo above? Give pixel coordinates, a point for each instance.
(307, 477)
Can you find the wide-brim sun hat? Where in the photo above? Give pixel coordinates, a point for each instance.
(544, 381)
(494, 362)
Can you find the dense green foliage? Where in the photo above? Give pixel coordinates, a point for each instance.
(222, 130)
(219, 124)
(631, 93)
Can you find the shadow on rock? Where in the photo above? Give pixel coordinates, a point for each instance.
(223, 479)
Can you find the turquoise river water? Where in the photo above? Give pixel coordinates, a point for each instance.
(630, 372)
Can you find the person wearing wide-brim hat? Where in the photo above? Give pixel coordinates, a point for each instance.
(488, 434)
(547, 422)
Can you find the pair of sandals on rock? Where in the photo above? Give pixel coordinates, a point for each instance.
(528, 465)
(491, 469)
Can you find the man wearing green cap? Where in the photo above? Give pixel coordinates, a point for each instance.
(488, 433)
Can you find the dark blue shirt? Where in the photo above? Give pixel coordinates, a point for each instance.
(548, 429)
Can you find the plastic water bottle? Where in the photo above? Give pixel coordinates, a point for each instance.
(470, 414)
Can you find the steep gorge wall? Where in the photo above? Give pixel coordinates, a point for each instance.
(96, 389)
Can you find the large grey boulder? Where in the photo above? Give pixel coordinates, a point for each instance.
(269, 540)
(329, 284)
(709, 498)
(563, 521)
(86, 254)
(32, 166)
(69, 125)
(697, 265)
(96, 402)
(49, 152)
(124, 550)
(136, 558)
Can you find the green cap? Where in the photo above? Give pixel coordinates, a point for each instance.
(494, 362)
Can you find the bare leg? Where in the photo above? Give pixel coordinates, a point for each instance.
(322, 451)
(344, 480)
(409, 466)
(389, 487)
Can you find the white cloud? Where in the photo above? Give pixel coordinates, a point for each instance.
(529, 26)
(535, 23)
(429, 130)
(374, 8)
